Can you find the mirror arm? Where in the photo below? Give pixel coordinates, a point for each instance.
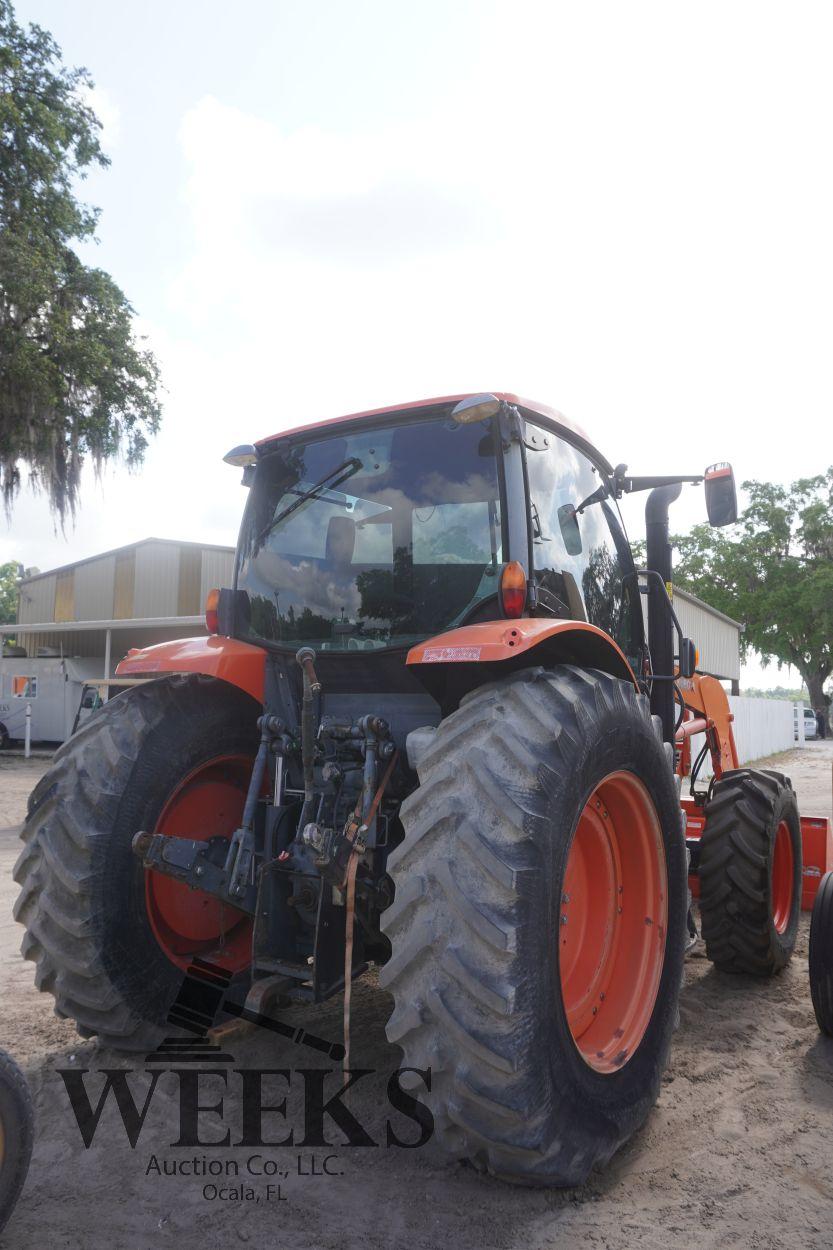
(603, 492)
(629, 484)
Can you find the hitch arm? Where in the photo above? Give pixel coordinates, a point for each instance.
(195, 863)
(188, 860)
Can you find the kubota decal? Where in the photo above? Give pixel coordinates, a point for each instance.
(443, 655)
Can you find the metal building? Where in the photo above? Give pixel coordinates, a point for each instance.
(155, 589)
(147, 592)
(716, 636)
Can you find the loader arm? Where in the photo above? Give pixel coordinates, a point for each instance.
(706, 711)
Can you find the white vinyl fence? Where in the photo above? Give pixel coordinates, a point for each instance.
(762, 727)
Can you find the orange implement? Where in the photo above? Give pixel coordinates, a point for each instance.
(817, 847)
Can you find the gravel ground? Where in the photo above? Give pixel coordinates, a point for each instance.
(738, 1151)
(18, 777)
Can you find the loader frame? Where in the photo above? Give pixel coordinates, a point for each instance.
(706, 710)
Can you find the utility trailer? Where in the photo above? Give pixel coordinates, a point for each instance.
(427, 731)
(51, 686)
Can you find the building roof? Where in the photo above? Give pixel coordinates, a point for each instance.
(707, 607)
(80, 627)
(113, 551)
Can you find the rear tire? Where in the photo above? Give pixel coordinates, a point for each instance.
(96, 942)
(750, 872)
(821, 955)
(527, 1079)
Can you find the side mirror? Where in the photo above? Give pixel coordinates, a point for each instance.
(570, 532)
(721, 496)
(688, 658)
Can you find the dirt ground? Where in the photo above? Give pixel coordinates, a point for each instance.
(738, 1151)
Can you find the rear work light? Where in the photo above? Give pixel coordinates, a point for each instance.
(212, 600)
(512, 589)
(242, 456)
(475, 408)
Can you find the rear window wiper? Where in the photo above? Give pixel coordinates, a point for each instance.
(334, 478)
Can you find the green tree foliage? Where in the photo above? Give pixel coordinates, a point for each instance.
(774, 572)
(8, 592)
(777, 692)
(74, 381)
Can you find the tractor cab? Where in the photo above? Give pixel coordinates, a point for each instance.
(375, 533)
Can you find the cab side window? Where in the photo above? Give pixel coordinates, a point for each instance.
(580, 561)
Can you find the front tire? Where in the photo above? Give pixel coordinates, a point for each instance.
(109, 941)
(750, 872)
(538, 926)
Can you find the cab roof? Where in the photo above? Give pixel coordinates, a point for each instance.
(530, 408)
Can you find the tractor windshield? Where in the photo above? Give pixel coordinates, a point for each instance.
(371, 539)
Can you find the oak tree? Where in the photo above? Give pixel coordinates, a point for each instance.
(773, 571)
(9, 573)
(74, 379)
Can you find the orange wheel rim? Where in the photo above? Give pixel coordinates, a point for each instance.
(612, 922)
(208, 803)
(783, 870)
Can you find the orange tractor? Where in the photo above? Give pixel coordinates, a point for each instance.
(426, 731)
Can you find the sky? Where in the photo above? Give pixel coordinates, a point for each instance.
(621, 210)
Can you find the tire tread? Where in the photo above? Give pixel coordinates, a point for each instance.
(735, 853)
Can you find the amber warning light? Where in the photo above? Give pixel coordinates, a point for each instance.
(212, 600)
(513, 589)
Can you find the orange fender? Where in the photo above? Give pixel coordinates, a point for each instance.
(227, 659)
(464, 658)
